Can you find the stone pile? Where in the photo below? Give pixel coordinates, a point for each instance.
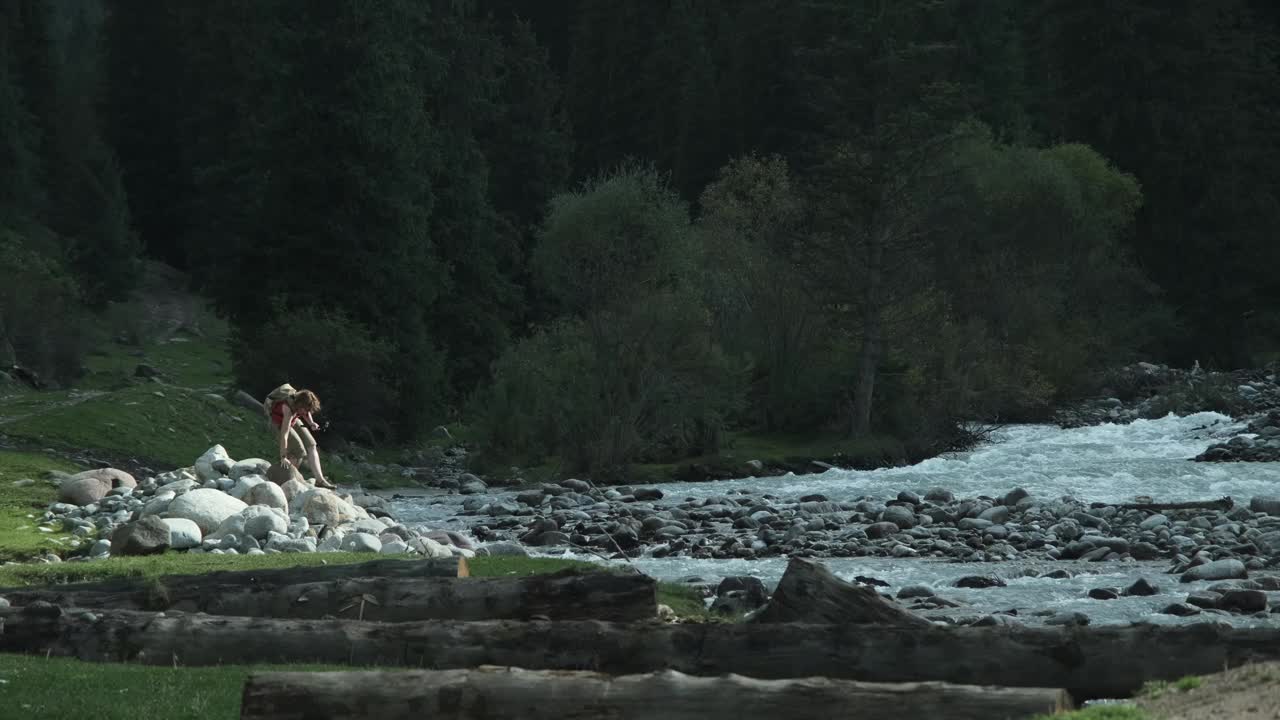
(1146, 390)
(224, 506)
(1259, 443)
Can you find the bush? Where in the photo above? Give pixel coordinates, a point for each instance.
(331, 354)
(645, 384)
(41, 317)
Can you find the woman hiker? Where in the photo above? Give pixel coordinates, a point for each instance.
(290, 414)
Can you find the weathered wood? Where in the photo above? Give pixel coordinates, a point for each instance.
(808, 592)
(1223, 504)
(193, 592)
(1089, 661)
(567, 595)
(500, 693)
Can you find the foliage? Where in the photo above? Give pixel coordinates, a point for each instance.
(328, 352)
(751, 225)
(40, 313)
(618, 238)
(634, 385)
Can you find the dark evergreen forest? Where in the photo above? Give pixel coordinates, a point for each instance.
(613, 230)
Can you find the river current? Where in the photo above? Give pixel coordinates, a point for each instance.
(1104, 463)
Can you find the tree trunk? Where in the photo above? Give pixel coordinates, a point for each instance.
(173, 590)
(499, 693)
(567, 595)
(1090, 662)
(809, 593)
(868, 365)
(872, 338)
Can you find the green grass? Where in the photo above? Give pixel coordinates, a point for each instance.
(38, 687)
(195, 362)
(156, 422)
(1156, 688)
(21, 507)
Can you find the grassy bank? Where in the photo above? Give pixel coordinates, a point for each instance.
(23, 497)
(38, 687)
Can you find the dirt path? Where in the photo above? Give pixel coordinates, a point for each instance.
(1249, 692)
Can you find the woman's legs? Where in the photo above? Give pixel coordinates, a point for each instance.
(313, 455)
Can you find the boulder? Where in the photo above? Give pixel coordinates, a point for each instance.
(83, 491)
(145, 536)
(268, 494)
(261, 520)
(244, 484)
(249, 466)
(159, 504)
(1230, 569)
(205, 464)
(432, 549)
(323, 507)
(183, 534)
(282, 474)
(205, 507)
(900, 516)
(293, 488)
(361, 542)
(91, 486)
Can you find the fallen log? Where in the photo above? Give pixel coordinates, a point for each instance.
(194, 592)
(498, 693)
(1089, 661)
(566, 595)
(1223, 504)
(809, 593)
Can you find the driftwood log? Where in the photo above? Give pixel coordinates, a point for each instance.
(809, 593)
(1223, 504)
(566, 595)
(1089, 661)
(497, 693)
(194, 592)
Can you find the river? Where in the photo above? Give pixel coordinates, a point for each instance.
(1107, 463)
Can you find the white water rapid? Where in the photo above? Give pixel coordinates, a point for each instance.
(1106, 463)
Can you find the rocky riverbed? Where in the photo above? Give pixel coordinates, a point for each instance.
(1063, 511)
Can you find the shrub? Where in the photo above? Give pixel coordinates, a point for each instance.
(331, 354)
(41, 317)
(645, 383)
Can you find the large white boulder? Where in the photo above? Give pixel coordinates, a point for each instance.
(183, 533)
(243, 485)
(430, 548)
(268, 494)
(260, 521)
(159, 503)
(249, 466)
(293, 488)
(207, 466)
(205, 507)
(91, 486)
(324, 507)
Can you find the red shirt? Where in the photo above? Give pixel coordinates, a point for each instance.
(280, 409)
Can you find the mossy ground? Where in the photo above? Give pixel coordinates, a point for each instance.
(24, 494)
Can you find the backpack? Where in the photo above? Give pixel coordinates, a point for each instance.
(285, 392)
